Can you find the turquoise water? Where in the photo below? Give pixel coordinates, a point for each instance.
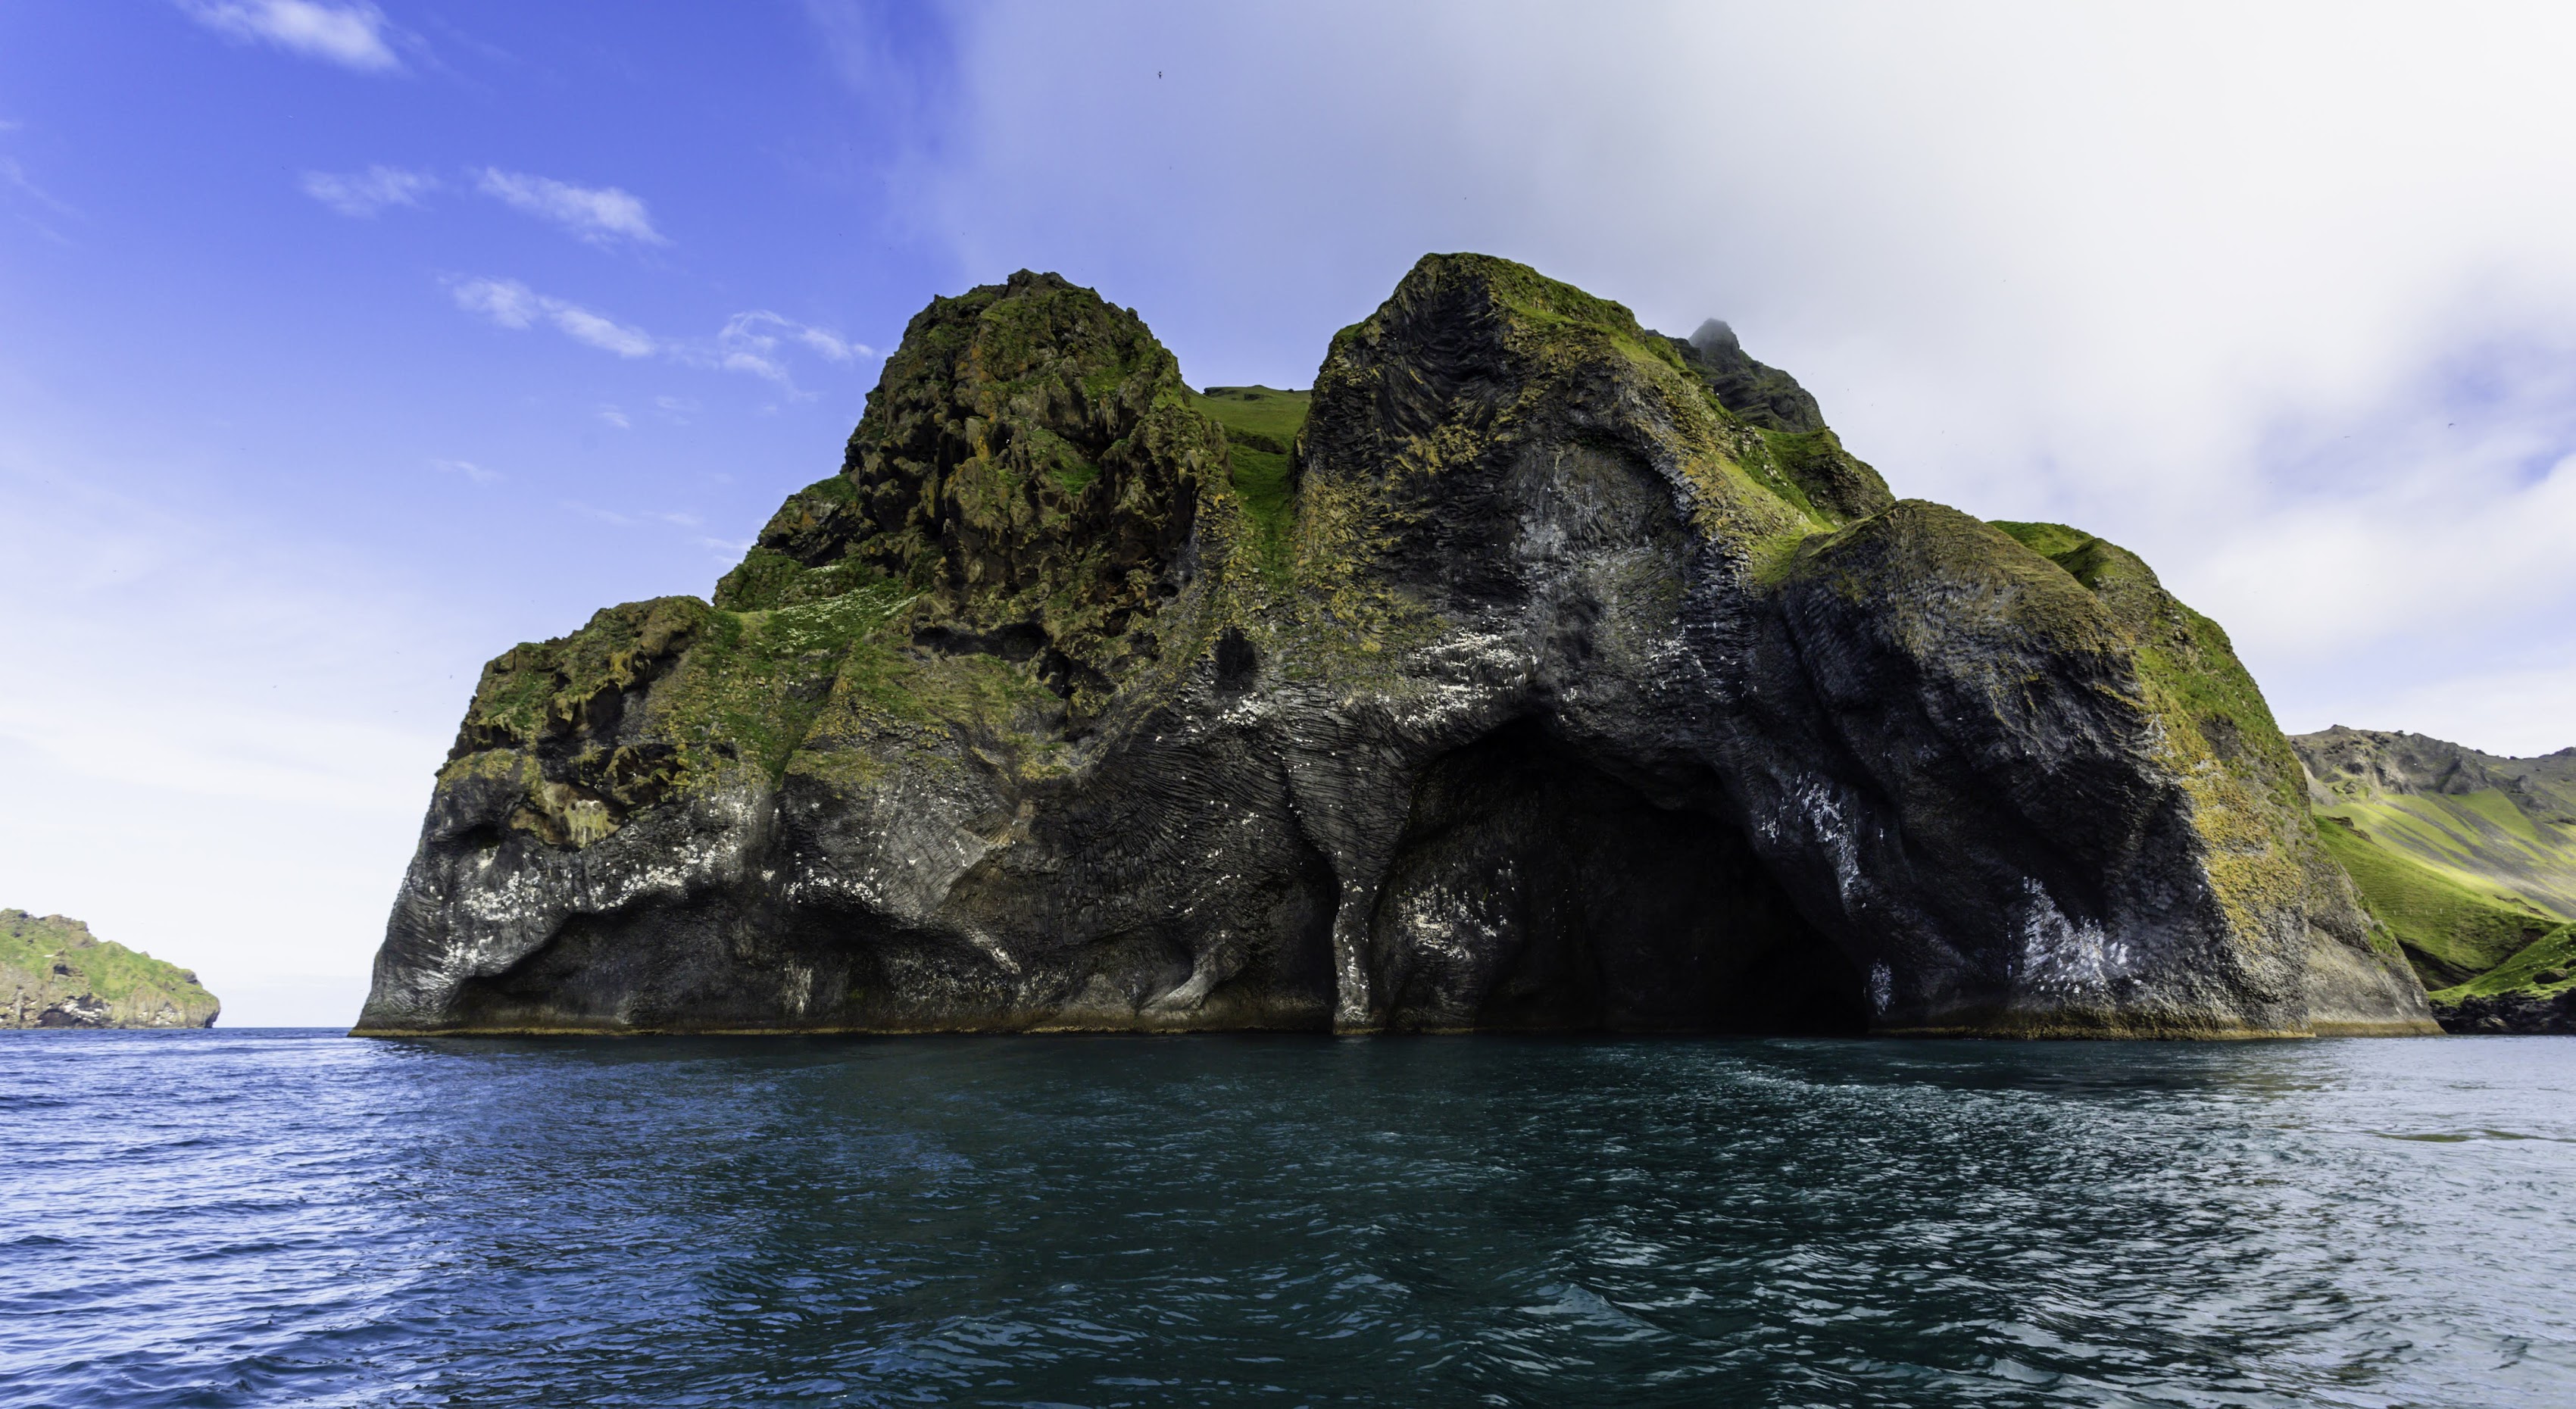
(233, 1218)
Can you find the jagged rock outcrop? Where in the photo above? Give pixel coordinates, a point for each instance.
(1552, 674)
(2470, 859)
(55, 973)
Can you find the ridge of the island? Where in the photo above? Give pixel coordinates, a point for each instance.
(55, 973)
(1533, 671)
(2469, 857)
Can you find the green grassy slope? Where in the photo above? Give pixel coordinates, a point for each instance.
(2479, 839)
(2451, 931)
(2545, 968)
(1261, 425)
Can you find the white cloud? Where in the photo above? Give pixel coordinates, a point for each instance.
(674, 518)
(505, 301)
(514, 305)
(362, 194)
(14, 177)
(468, 469)
(582, 325)
(600, 215)
(751, 343)
(352, 34)
(616, 418)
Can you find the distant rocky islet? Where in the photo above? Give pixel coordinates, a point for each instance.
(55, 974)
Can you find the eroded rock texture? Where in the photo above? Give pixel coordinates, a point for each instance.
(1556, 674)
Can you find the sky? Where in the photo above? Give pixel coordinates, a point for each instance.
(344, 345)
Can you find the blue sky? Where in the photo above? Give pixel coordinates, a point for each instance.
(343, 345)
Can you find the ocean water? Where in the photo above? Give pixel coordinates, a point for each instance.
(240, 1218)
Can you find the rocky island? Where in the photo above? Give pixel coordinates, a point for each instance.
(1534, 670)
(55, 973)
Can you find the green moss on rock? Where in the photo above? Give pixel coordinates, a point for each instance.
(2218, 735)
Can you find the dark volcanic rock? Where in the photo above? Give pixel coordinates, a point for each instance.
(1572, 677)
(2532, 1013)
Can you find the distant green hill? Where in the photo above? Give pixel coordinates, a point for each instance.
(55, 973)
(2469, 857)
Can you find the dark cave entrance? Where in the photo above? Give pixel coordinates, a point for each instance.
(1534, 890)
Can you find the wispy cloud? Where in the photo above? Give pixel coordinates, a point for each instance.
(608, 335)
(514, 305)
(353, 34)
(467, 468)
(752, 343)
(646, 518)
(13, 177)
(600, 214)
(364, 193)
(616, 418)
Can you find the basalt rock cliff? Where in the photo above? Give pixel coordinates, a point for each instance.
(1533, 671)
(2470, 860)
(55, 973)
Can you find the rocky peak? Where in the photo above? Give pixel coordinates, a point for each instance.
(1764, 396)
(1028, 465)
(2344, 762)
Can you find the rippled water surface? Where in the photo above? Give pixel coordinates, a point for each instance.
(224, 1218)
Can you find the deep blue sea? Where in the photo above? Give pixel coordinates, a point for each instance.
(258, 1218)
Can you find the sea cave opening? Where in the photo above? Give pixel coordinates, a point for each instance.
(1535, 890)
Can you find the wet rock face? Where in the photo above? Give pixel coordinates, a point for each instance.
(1586, 683)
